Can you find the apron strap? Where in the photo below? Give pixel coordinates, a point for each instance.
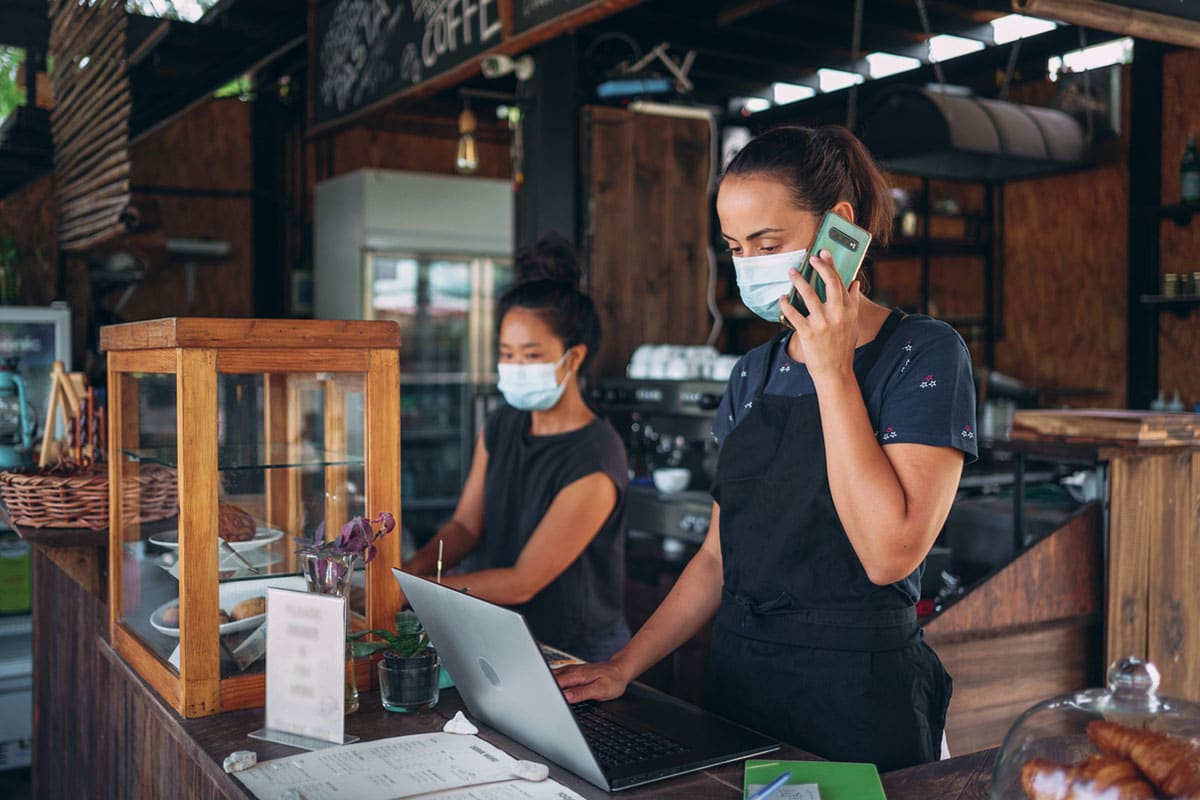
(769, 364)
(875, 347)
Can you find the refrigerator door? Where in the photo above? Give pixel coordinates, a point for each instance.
(445, 306)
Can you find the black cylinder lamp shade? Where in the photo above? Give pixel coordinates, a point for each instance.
(918, 131)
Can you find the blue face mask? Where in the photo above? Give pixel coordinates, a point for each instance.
(763, 279)
(531, 387)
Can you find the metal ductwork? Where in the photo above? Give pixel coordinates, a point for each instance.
(917, 131)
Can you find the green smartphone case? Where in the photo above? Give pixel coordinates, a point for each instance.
(846, 242)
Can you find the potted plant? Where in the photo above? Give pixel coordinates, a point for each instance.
(410, 668)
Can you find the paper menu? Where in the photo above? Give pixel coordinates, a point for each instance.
(434, 765)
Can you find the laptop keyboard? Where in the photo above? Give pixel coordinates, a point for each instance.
(616, 745)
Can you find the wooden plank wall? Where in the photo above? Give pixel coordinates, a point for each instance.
(1029, 632)
(647, 231)
(1066, 269)
(67, 706)
(1179, 336)
(90, 120)
(192, 180)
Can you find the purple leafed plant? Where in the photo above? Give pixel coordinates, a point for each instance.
(357, 538)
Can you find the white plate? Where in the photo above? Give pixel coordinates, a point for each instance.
(230, 595)
(262, 536)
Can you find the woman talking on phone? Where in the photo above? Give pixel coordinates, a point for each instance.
(842, 443)
(544, 497)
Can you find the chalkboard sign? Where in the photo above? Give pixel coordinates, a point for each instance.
(531, 13)
(368, 50)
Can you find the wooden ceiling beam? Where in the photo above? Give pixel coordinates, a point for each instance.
(743, 9)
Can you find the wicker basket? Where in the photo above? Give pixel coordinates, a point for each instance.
(77, 497)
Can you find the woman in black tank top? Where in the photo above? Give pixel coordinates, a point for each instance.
(544, 498)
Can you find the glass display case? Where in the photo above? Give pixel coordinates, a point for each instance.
(269, 428)
(1122, 741)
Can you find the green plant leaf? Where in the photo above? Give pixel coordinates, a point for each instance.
(407, 623)
(408, 643)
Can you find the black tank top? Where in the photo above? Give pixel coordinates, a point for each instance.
(584, 605)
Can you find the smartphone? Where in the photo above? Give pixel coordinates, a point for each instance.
(846, 242)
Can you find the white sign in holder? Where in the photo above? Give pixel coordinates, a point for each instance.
(306, 649)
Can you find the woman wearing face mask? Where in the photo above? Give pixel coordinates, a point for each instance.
(842, 444)
(544, 498)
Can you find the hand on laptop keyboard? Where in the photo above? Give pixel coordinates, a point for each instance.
(602, 681)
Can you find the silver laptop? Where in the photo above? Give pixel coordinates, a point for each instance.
(504, 679)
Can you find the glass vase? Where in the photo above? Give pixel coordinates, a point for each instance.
(331, 574)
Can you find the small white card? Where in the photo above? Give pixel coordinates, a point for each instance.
(306, 664)
(789, 791)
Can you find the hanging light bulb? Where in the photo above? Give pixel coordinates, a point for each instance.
(467, 158)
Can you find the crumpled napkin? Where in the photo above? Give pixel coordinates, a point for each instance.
(460, 724)
(239, 760)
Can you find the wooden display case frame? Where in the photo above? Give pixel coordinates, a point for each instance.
(196, 351)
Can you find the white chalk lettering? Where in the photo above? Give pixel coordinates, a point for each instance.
(449, 22)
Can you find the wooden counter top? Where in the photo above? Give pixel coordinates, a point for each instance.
(198, 747)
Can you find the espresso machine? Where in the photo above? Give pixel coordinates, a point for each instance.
(666, 423)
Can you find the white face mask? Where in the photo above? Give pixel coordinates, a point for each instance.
(763, 279)
(531, 387)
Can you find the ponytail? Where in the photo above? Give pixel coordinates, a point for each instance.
(822, 167)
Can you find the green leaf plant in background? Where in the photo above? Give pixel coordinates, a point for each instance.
(12, 93)
(409, 639)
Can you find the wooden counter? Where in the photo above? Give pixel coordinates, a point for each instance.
(101, 732)
(1152, 598)
(174, 757)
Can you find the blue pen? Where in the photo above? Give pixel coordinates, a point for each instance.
(772, 787)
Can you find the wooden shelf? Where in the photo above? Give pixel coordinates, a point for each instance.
(1180, 304)
(912, 248)
(1180, 213)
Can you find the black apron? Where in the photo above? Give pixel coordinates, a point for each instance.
(804, 647)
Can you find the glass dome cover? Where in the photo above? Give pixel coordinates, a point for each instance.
(1057, 729)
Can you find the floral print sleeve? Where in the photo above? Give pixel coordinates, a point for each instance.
(929, 397)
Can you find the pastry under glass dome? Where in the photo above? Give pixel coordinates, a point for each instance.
(1057, 729)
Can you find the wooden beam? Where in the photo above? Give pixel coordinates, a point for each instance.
(1118, 19)
(744, 9)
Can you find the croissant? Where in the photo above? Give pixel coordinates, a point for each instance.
(234, 524)
(1094, 778)
(1171, 762)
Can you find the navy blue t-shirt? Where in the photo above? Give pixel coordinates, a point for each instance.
(920, 391)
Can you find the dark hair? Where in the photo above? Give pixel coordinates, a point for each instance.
(822, 167)
(547, 282)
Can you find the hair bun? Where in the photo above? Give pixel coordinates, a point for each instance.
(551, 259)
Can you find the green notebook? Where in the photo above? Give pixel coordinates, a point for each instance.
(836, 780)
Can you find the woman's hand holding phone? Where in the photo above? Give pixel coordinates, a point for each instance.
(829, 333)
